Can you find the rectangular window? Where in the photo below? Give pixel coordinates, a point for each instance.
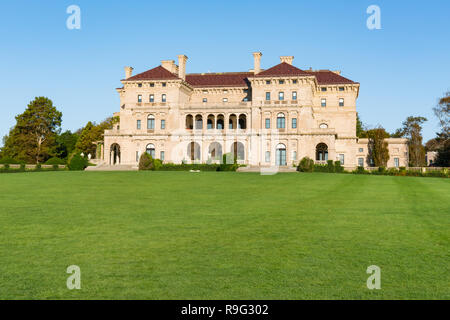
(294, 155)
(163, 84)
(163, 124)
(267, 81)
(281, 122)
(267, 96)
(294, 95)
(323, 89)
(341, 102)
(360, 162)
(267, 123)
(161, 157)
(294, 81)
(138, 124)
(225, 100)
(341, 159)
(205, 100)
(150, 124)
(281, 95)
(281, 82)
(267, 156)
(152, 84)
(341, 88)
(137, 156)
(323, 102)
(140, 85)
(396, 162)
(139, 98)
(361, 150)
(151, 98)
(294, 123)
(163, 97)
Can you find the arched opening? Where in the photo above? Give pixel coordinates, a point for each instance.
(238, 151)
(114, 156)
(281, 121)
(193, 151)
(242, 123)
(323, 126)
(210, 122)
(280, 155)
(150, 149)
(151, 122)
(232, 122)
(198, 122)
(220, 122)
(321, 152)
(189, 122)
(215, 151)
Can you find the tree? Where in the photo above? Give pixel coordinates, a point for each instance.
(442, 112)
(65, 144)
(360, 131)
(32, 139)
(412, 129)
(92, 133)
(378, 147)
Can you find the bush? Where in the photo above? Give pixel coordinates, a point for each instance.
(38, 167)
(146, 162)
(77, 162)
(306, 165)
(360, 170)
(55, 160)
(8, 160)
(337, 167)
(330, 166)
(55, 167)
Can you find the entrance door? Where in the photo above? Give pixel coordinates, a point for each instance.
(281, 156)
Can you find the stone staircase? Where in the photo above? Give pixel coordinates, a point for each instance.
(267, 170)
(108, 167)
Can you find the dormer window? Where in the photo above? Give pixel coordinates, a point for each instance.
(140, 85)
(323, 89)
(267, 81)
(341, 88)
(294, 81)
(225, 91)
(205, 91)
(281, 81)
(152, 84)
(164, 84)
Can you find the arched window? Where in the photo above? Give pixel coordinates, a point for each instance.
(238, 151)
(151, 122)
(114, 156)
(189, 122)
(242, 123)
(193, 151)
(321, 152)
(215, 151)
(210, 122)
(280, 155)
(150, 149)
(232, 122)
(198, 122)
(323, 126)
(281, 121)
(220, 122)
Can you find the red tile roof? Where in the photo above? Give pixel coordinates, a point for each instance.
(329, 77)
(240, 79)
(282, 69)
(158, 73)
(231, 79)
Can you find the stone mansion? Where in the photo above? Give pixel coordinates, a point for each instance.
(271, 117)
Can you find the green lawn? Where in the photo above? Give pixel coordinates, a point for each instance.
(180, 235)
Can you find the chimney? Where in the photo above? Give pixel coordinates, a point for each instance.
(257, 62)
(287, 59)
(182, 66)
(169, 65)
(128, 72)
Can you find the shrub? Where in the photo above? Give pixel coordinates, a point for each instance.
(55, 167)
(381, 169)
(330, 166)
(146, 162)
(38, 167)
(306, 165)
(77, 162)
(360, 170)
(55, 160)
(337, 167)
(22, 167)
(8, 160)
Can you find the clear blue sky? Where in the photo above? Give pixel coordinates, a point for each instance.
(403, 68)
